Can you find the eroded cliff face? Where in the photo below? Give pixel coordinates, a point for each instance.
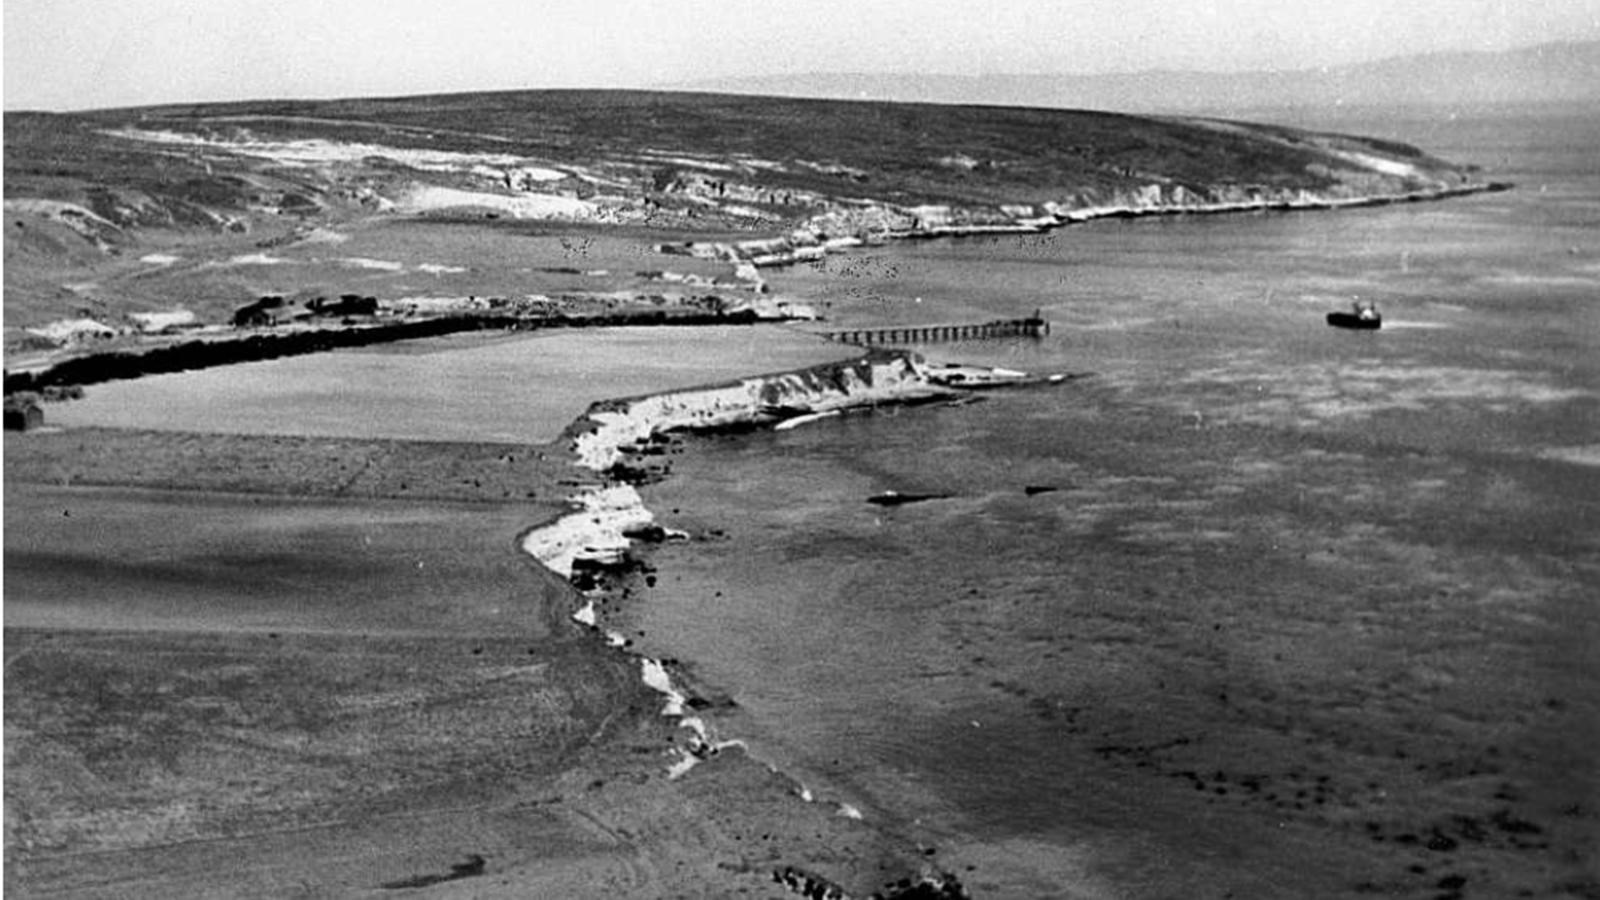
(595, 531)
(605, 517)
(598, 437)
(852, 225)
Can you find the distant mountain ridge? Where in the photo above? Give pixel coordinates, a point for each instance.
(1557, 73)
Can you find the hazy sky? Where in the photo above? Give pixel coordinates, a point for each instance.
(69, 54)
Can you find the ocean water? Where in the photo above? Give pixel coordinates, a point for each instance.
(1257, 608)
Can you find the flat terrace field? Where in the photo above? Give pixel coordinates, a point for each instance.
(520, 388)
(262, 666)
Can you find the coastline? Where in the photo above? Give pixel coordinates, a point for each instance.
(1475, 700)
(608, 515)
(878, 223)
(596, 802)
(615, 431)
(589, 545)
(869, 223)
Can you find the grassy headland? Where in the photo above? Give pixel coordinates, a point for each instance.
(207, 207)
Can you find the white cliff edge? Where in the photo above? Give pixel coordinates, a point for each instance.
(599, 435)
(596, 531)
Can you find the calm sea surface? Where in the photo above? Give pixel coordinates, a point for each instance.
(1259, 609)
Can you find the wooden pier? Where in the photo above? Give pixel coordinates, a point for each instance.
(928, 334)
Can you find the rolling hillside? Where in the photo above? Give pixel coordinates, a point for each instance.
(207, 207)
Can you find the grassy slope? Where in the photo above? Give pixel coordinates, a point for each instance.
(1033, 150)
(158, 198)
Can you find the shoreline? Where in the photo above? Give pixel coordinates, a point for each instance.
(1136, 839)
(813, 242)
(606, 517)
(615, 794)
(871, 224)
(593, 539)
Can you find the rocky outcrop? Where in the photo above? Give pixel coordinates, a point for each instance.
(605, 517)
(880, 377)
(595, 531)
(853, 225)
(932, 885)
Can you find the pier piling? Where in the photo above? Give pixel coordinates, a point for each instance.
(1035, 326)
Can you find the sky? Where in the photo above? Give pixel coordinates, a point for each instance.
(69, 54)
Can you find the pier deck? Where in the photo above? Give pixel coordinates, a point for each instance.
(1034, 326)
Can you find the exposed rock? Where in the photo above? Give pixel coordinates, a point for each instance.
(74, 331)
(877, 378)
(158, 322)
(895, 498)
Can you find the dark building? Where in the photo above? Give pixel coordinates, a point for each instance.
(23, 415)
(346, 305)
(264, 313)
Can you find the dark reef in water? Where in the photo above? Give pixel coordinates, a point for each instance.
(895, 498)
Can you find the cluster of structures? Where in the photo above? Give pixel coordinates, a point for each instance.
(274, 310)
(266, 311)
(24, 410)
